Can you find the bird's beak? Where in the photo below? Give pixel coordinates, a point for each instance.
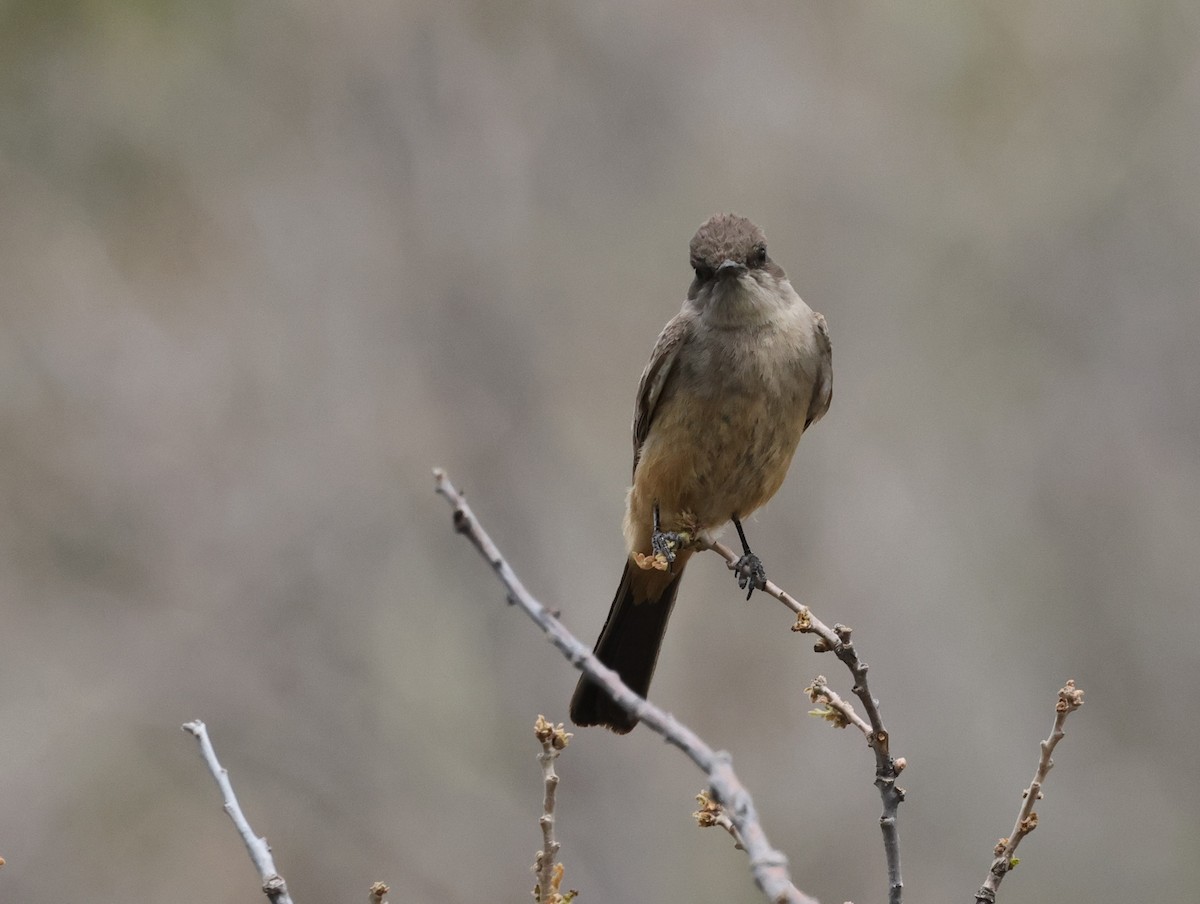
(730, 269)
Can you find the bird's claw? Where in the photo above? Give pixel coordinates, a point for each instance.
(750, 573)
(667, 544)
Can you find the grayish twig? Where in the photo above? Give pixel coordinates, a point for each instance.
(837, 640)
(1070, 698)
(712, 813)
(837, 711)
(273, 885)
(554, 739)
(768, 866)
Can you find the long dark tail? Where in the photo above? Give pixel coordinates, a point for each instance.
(628, 644)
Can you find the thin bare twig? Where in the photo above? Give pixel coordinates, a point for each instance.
(554, 740)
(1070, 698)
(837, 711)
(837, 640)
(768, 865)
(712, 813)
(273, 885)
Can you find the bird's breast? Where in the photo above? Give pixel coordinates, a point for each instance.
(723, 433)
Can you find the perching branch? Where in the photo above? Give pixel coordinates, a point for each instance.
(1070, 698)
(768, 866)
(837, 640)
(260, 852)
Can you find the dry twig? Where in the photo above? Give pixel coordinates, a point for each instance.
(837, 711)
(554, 740)
(1070, 698)
(712, 813)
(273, 885)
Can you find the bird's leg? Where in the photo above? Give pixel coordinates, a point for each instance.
(749, 568)
(666, 544)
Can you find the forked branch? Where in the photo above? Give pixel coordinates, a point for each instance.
(837, 640)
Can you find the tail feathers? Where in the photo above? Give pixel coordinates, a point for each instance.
(629, 644)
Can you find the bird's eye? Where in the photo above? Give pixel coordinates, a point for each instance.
(703, 272)
(758, 256)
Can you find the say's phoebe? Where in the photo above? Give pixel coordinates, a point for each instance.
(734, 379)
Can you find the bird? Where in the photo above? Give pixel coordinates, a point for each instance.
(733, 381)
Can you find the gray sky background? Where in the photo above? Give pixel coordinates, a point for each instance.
(262, 266)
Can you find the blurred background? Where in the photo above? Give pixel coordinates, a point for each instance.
(262, 266)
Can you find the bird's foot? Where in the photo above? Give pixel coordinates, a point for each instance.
(665, 546)
(750, 573)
